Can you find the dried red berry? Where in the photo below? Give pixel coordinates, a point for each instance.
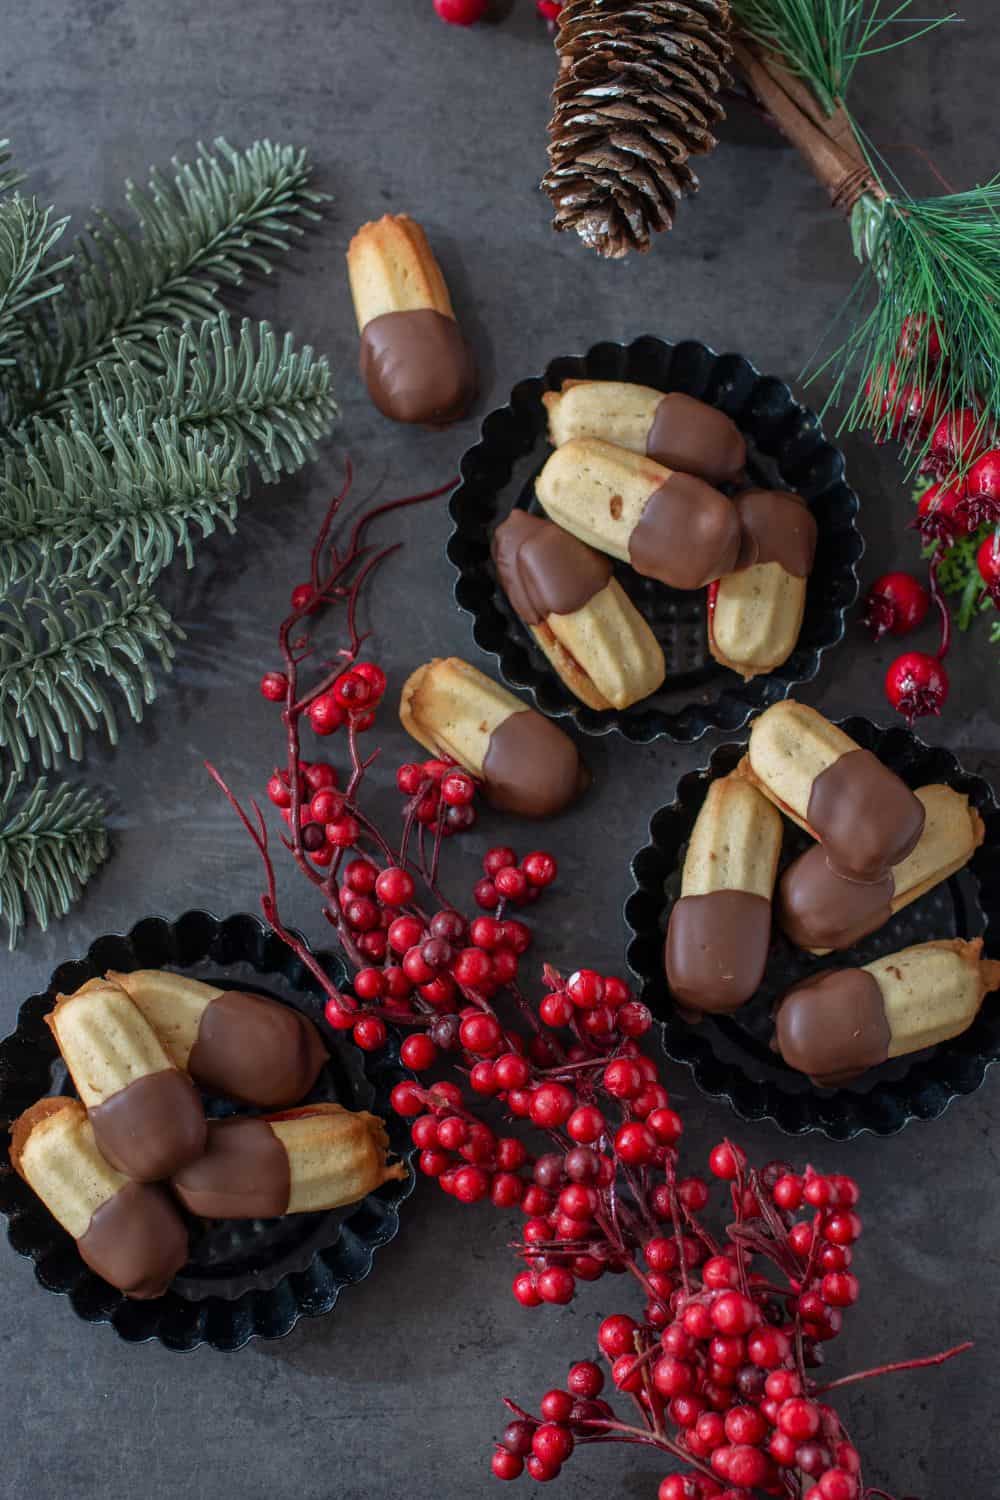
(274, 686)
(916, 684)
(896, 603)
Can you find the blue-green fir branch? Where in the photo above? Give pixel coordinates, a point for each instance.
(70, 659)
(51, 842)
(28, 234)
(69, 508)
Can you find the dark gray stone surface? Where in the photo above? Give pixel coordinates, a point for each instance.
(398, 1391)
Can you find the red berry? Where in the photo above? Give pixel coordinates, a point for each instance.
(511, 1071)
(666, 1125)
(634, 1018)
(481, 1034)
(486, 895)
(839, 1289)
(486, 933)
(404, 933)
(498, 858)
(799, 1418)
(780, 1385)
(626, 1374)
(461, 12)
(373, 675)
(369, 984)
(585, 1379)
(343, 833)
(418, 1052)
(511, 884)
(585, 988)
(616, 1335)
(274, 686)
(916, 684)
(471, 1184)
(586, 1124)
(539, 1469)
(325, 715)
(787, 1192)
(726, 1161)
(635, 1143)
(556, 1285)
(540, 868)
(409, 778)
(988, 563)
(896, 603)
(279, 792)
(954, 442)
(841, 1228)
(941, 514)
(838, 1484)
(370, 1033)
(622, 1078)
(767, 1348)
(981, 505)
(394, 886)
(745, 1424)
(526, 1290)
(693, 1193)
(506, 1465)
(515, 935)
(457, 789)
(556, 1009)
(326, 806)
(672, 1376)
(551, 1105)
(719, 1273)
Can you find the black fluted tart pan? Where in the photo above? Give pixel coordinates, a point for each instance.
(244, 1279)
(786, 449)
(730, 1055)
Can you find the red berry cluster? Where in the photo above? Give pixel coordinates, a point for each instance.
(468, 12)
(440, 793)
(352, 698)
(722, 1352)
(962, 500)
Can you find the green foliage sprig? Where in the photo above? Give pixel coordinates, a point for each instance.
(131, 416)
(50, 845)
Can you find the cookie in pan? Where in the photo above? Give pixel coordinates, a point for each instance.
(755, 613)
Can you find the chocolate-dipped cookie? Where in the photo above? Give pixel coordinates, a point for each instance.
(146, 1114)
(525, 763)
(415, 360)
(303, 1160)
(578, 613)
(130, 1233)
(670, 526)
(822, 911)
(720, 929)
(865, 817)
(842, 1022)
(677, 431)
(755, 613)
(231, 1042)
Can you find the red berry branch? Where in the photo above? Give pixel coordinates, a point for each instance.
(958, 519)
(718, 1366)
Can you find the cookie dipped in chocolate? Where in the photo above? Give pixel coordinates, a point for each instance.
(255, 1050)
(819, 909)
(687, 536)
(775, 527)
(243, 1174)
(532, 768)
(696, 438)
(865, 817)
(152, 1127)
(137, 1241)
(544, 570)
(418, 367)
(716, 949)
(833, 1027)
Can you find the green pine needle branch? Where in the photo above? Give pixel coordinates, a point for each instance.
(224, 216)
(51, 842)
(67, 509)
(822, 41)
(63, 653)
(28, 276)
(259, 396)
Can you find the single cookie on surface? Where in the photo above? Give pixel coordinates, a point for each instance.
(820, 910)
(146, 1114)
(130, 1233)
(578, 613)
(526, 765)
(415, 360)
(865, 817)
(720, 929)
(841, 1022)
(669, 526)
(755, 613)
(301, 1161)
(677, 431)
(230, 1041)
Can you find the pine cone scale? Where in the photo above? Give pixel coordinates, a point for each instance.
(636, 96)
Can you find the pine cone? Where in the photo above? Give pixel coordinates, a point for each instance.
(636, 96)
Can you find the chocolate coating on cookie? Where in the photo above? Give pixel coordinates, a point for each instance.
(152, 1127)
(865, 817)
(244, 1173)
(687, 536)
(689, 435)
(716, 949)
(418, 366)
(255, 1050)
(136, 1240)
(817, 908)
(833, 1026)
(544, 570)
(531, 767)
(776, 527)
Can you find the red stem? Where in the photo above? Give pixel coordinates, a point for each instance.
(902, 1364)
(937, 595)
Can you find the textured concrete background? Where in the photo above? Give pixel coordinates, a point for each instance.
(398, 1391)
